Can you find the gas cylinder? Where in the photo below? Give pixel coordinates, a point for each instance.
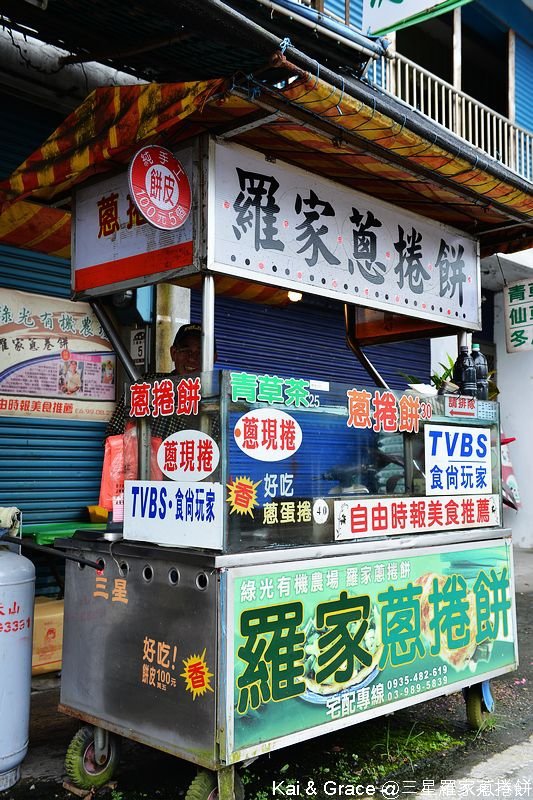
(17, 588)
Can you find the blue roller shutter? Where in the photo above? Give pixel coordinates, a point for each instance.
(523, 105)
(52, 469)
(34, 272)
(307, 341)
(48, 468)
(523, 89)
(338, 9)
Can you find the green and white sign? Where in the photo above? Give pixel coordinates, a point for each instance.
(321, 644)
(382, 16)
(518, 300)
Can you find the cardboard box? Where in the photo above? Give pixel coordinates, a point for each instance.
(47, 635)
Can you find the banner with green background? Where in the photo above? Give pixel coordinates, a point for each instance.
(316, 642)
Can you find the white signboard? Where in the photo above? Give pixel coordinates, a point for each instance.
(138, 346)
(458, 460)
(461, 406)
(268, 434)
(387, 15)
(113, 243)
(180, 514)
(395, 516)
(279, 224)
(518, 302)
(188, 456)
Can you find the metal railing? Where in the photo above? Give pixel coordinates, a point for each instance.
(461, 114)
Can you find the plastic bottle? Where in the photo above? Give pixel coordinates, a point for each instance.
(482, 373)
(464, 373)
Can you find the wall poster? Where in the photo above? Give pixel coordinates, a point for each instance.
(55, 360)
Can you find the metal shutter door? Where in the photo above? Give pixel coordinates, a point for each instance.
(306, 341)
(48, 468)
(338, 8)
(523, 90)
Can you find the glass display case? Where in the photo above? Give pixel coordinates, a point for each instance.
(241, 462)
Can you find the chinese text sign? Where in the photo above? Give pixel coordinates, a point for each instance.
(55, 359)
(178, 513)
(114, 243)
(315, 644)
(458, 460)
(288, 227)
(518, 303)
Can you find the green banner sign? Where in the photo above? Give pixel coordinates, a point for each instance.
(383, 16)
(317, 642)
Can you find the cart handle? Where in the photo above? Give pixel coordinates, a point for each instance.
(50, 551)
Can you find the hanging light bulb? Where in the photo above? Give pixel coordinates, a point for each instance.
(294, 297)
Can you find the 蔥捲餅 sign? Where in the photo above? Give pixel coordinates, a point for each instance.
(407, 640)
(278, 224)
(130, 227)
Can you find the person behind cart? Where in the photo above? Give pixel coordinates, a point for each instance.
(121, 451)
(186, 354)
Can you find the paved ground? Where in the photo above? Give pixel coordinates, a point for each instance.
(505, 751)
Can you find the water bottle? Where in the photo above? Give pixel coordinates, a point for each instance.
(464, 373)
(482, 372)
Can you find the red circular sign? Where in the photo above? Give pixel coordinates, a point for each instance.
(160, 187)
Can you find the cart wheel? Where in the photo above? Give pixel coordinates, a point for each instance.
(80, 763)
(476, 710)
(205, 787)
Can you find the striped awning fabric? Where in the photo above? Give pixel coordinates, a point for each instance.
(316, 126)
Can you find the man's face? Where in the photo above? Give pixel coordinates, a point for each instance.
(187, 355)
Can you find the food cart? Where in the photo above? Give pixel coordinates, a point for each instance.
(297, 555)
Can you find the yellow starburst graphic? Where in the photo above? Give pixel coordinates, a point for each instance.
(197, 675)
(242, 495)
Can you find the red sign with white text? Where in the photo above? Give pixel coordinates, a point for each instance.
(160, 187)
(163, 399)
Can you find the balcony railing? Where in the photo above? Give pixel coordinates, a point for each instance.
(469, 119)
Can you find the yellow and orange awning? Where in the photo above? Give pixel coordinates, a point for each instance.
(314, 126)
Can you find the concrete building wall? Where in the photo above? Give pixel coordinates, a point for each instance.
(515, 381)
